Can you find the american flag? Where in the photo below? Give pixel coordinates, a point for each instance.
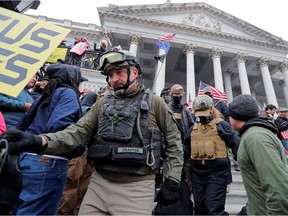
(216, 93)
(284, 134)
(168, 37)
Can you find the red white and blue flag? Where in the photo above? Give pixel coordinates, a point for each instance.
(217, 94)
(168, 37)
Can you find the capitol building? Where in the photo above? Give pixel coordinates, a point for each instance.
(211, 46)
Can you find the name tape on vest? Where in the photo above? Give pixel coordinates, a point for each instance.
(129, 150)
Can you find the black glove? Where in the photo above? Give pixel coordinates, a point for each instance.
(20, 141)
(169, 193)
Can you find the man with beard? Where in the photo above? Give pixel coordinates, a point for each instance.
(125, 126)
(261, 158)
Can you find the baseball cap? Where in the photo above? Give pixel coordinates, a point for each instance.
(202, 105)
(177, 89)
(207, 90)
(282, 109)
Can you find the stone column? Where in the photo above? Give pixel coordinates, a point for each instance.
(253, 92)
(228, 86)
(244, 83)
(285, 91)
(267, 81)
(190, 71)
(159, 79)
(215, 54)
(134, 43)
(284, 69)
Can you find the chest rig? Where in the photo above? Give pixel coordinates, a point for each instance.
(124, 141)
(206, 143)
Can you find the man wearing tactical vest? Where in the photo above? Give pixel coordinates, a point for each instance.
(125, 126)
(184, 120)
(210, 165)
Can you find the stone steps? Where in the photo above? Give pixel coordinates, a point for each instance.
(237, 197)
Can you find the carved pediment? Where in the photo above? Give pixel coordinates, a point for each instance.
(200, 20)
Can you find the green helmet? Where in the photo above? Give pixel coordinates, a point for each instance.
(202, 102)
(116, 59)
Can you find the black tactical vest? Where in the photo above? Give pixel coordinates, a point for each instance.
(125, 144)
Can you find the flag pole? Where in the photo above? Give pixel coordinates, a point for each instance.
(157, 74)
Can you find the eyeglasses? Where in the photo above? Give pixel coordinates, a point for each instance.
(111, 57)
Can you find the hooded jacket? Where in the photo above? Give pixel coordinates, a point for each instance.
(264, 169)
(59, 105)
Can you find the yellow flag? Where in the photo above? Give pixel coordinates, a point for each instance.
(58, 53)
(25, 44)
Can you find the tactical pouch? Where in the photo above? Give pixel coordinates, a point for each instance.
(194, 150)
(117, 123)
(99, 153)
(117, 155)
(210, 150)
(131, 155)
(201, 149)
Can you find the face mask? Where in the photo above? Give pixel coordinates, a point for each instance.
(204, 119)
(177, 99)
(167, 99)
(210, 95)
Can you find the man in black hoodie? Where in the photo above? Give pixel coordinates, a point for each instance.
(261, 158)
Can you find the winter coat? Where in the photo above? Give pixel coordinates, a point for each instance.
(264, 169)
(12, 108)
(63, 106)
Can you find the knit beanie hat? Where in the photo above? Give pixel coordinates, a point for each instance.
(244, 107)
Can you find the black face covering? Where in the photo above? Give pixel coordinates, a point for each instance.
(209, 94)
(177, 99)
(204, 119)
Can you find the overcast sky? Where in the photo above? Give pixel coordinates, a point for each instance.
(268, 15)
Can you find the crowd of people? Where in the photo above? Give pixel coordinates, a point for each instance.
(74, 151)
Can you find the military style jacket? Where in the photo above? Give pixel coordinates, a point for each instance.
(87, 127)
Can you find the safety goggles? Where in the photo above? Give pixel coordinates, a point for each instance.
(111, 57)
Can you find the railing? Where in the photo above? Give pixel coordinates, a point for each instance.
(89, 60)
(69, 23)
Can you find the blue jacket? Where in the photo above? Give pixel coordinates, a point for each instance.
(63, 110)
(13, 108)
(59, 105)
